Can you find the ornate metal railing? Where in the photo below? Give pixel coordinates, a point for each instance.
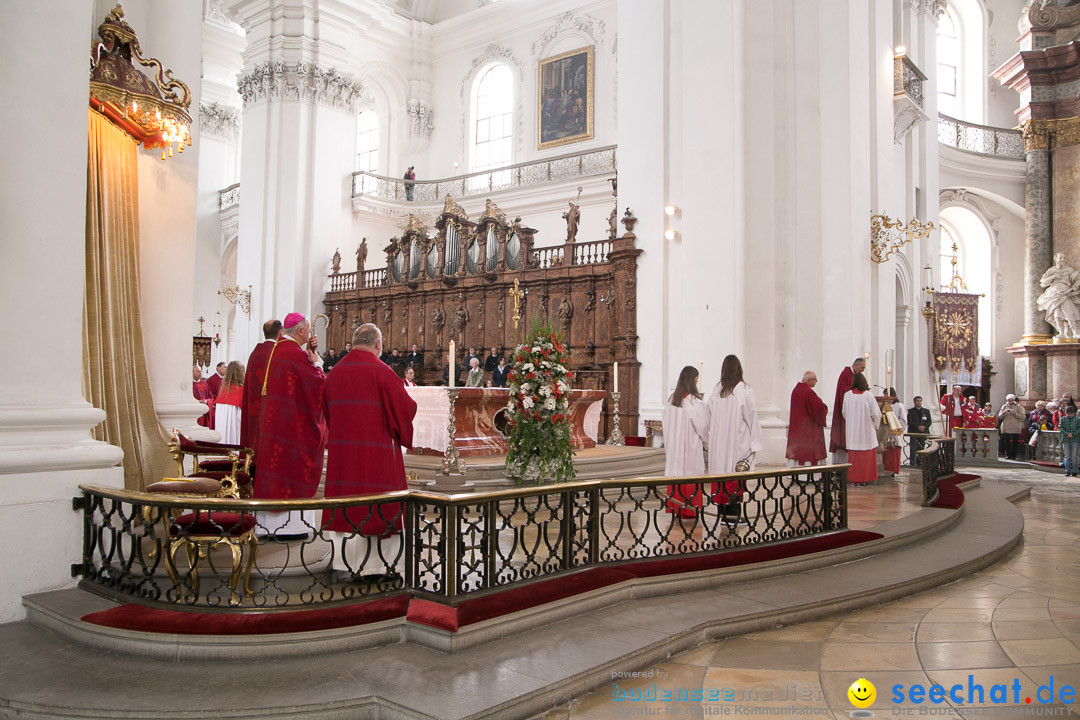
(219, 553)
(601, 161)
(980, 139)
(229, 197)
(937, 462)
(976, 444)
(908, 79)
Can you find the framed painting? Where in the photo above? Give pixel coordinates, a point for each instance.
(564, 98)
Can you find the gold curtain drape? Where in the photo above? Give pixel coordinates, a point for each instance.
(114, 364)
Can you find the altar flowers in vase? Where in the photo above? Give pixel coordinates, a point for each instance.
(538, 420)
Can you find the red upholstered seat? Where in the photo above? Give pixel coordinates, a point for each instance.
(213, 523)
(207, 486)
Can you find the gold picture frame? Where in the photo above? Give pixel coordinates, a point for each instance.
(564, 98)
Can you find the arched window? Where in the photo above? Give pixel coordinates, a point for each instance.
(963, 230)
(367, 141)
(493, 119)
(961, 60)
(948, 52)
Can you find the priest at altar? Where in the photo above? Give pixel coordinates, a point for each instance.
(369, 418)
(291, 431)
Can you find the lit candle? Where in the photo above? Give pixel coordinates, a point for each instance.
(452, 374)
(615, 372)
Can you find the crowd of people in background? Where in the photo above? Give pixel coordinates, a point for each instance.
(471, 370)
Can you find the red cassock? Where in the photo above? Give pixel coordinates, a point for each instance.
(214, 383)
(253, 382)
(290, 438)
(948, 401)
(806, 425)
(201, 391)
(369, 414)
(837, 438)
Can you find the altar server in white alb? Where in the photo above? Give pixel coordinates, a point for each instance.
(861, 419)
(686, 428)
(734, 434)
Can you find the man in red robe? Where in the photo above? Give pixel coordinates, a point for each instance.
(952, 407)
(369, 416)
(201, 391)
(214, 381)
(291, 431)
(837, 438)
(806, 424)
(253, 382)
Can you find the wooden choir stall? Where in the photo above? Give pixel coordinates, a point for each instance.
(455, 284)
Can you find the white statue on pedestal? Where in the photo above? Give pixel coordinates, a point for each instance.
(1061, 299)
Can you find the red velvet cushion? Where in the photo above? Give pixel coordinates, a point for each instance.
(635, 440)
(146, 619)
(213, 523)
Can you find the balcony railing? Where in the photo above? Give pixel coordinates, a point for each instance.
(601, 161)
(202, 552)
(980, 139)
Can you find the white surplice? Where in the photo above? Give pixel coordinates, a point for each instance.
(861, 419)
(734, 430)
(227, 422)
(685, 429)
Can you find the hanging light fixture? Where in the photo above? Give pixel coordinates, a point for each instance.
(152, 111)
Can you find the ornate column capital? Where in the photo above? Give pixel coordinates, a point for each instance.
(301, 82)
(1051, 134)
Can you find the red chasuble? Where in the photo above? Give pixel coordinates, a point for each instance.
(806, 426)
(837, 438)
(289, 445)
(369, 415)
(214, 383)
(253, 382)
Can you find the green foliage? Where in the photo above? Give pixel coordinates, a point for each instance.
(538, 422)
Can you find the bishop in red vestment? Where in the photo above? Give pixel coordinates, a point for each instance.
(289, 445)
(806, 423)
(837, 440)
(369, 416)
(253, 383)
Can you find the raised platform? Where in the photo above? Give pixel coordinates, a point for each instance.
(480, 671)
(489, 472)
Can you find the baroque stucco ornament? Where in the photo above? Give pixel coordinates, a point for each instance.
(302, 81)
(421, 118)
(219, 121)
(568, 22)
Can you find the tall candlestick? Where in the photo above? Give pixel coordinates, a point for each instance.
(616, 374)
(452, 374)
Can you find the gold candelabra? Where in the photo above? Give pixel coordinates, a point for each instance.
(616, 437)
(452, 463)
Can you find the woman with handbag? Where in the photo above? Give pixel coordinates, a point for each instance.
(734, 437)
(861, 419)
(686, 428)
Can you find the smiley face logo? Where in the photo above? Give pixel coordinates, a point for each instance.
(862, 693)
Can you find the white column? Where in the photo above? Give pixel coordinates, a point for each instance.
(299, 121)
(45, 445)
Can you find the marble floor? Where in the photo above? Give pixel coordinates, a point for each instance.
(1015, 624)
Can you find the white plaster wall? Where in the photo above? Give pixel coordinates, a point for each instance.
(1002, 44)
(45, 446)
(511, 34)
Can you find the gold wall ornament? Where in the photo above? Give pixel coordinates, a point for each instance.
(416, 225)
(517, 294)
(452, 208)
(888, 235)
(1050, 134)
(152, 111)
(494, 212)
(236, 296)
